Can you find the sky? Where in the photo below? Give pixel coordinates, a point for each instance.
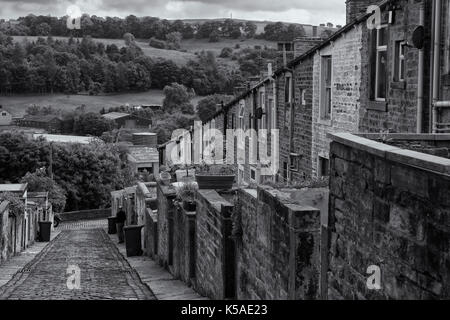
(297, 11)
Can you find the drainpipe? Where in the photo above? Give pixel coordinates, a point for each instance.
(420, 76)
(436, 60)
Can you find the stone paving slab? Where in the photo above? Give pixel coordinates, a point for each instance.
(163, 285)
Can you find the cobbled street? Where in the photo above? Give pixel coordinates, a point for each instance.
(104, 273)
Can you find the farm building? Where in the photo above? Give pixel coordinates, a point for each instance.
(125, 120)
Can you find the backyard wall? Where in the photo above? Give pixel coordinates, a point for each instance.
(389, 207)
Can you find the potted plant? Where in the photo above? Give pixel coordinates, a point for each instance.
(186, 195)
(165, 177)
(215, 176)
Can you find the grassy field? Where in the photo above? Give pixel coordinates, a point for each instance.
(19, 103)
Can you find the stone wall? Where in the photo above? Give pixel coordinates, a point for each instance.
(278, 251)
(184, 244)
(166, 209)
(85, 214)
(4, 231)
(151, 234)
(389, 208)
(213, 229)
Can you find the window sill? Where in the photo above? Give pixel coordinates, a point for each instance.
(326, 122)
(398, 85)
(377, 105)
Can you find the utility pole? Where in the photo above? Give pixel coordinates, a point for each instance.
(50, 169)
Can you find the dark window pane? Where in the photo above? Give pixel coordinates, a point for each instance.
(381, 83)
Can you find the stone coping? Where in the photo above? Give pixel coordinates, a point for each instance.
(408, 157)
(214, 198)
(406, 136)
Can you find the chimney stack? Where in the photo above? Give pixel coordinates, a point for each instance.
(357, 8)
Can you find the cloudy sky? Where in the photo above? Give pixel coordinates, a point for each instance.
(300, 11)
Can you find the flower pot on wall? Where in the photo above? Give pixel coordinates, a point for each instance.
(220, 182)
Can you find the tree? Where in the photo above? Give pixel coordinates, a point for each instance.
(209, 105)
(173, 40)
(43, 29)
(40, 182)
(214, 36)
(91, 123)
(177, 98)
(250, 29)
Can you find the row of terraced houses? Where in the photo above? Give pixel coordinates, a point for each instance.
(370, 76)
(369, 108)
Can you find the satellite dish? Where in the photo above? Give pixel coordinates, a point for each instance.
(418, 37)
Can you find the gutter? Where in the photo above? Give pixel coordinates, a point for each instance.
(436, 61)
(420, 76)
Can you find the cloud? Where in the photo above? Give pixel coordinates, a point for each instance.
(300, 11)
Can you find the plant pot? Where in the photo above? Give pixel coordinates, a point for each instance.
(220, 182)
(189, 205)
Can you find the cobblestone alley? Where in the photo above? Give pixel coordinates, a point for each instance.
(104, 273)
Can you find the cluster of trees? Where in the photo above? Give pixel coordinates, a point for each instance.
(48, 66)
(84, 175)
(279, 31)
(150, 27)
(209, 105)
(141, 27)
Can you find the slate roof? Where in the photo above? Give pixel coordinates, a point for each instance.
(115, 115)
(141, 154)
(41, 118)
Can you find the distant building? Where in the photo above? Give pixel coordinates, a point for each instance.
(144, 158)
(19, 189)
(153, 107)
(125, 120)
(66, 139)
(51, 123)
(5, 117)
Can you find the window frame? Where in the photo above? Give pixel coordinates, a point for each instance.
(378, 49)
(325, 59)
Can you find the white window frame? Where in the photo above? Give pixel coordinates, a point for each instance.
(324, 87)
(399, 60)
(379, 49)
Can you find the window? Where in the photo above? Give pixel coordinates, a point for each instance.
(233, 117)
(285, 171)
(3, 114)
(325, 93)
(323, 167)
(399, 61)
(252, 175)
(294, 160)
(302, 97)
(288, 89)
(262, 100)
(379, 63)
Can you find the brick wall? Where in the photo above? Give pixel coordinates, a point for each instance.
(388, 207)
(345, 104)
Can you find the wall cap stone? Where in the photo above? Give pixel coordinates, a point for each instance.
(395, 154)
